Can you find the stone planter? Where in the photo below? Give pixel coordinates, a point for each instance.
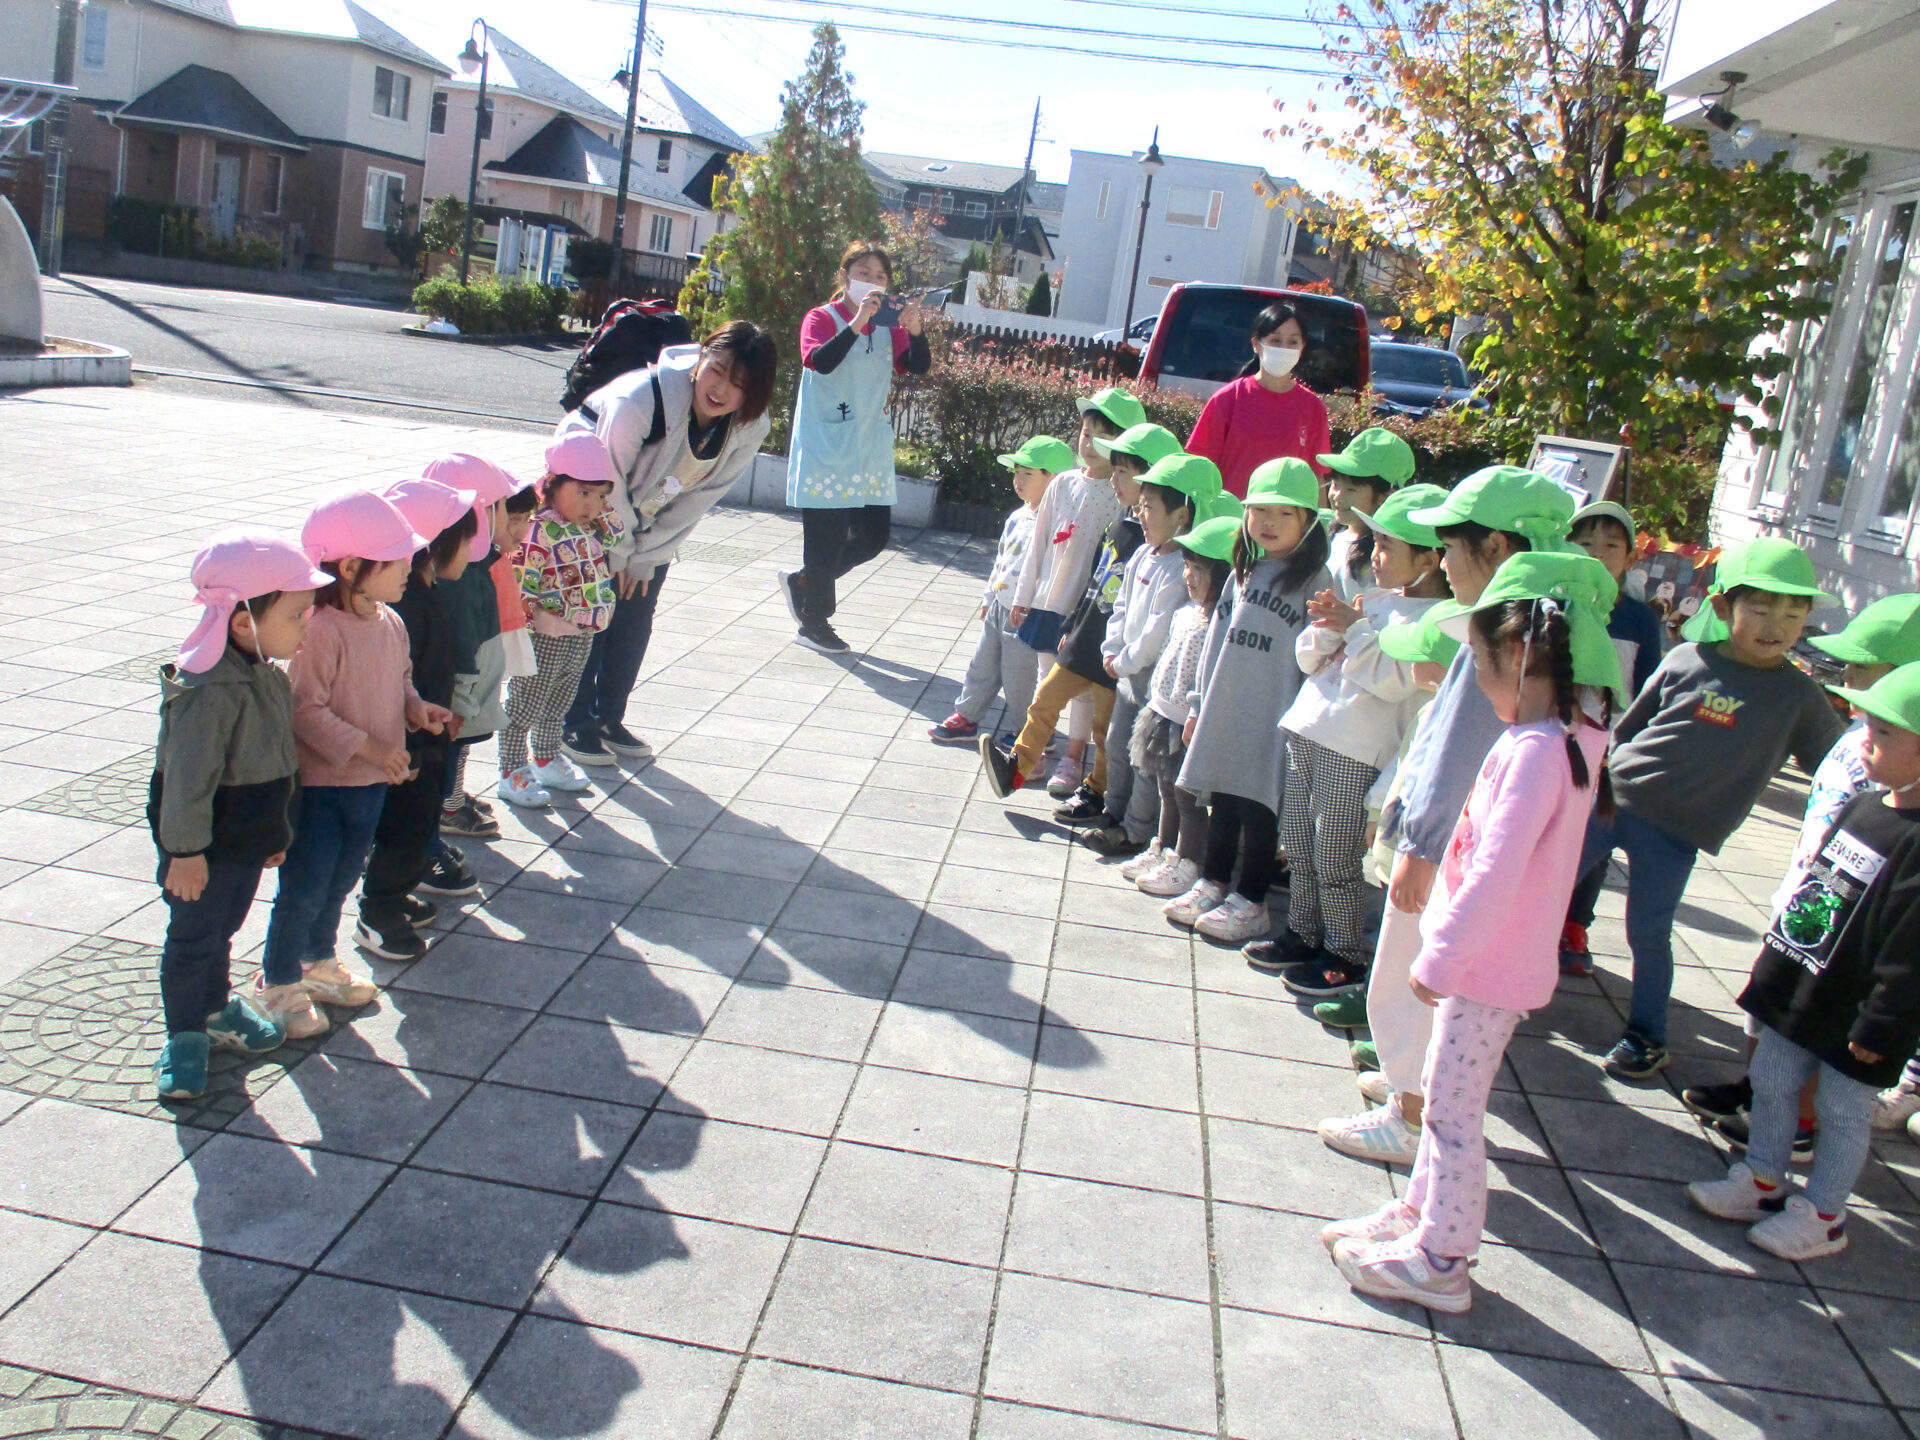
(64, 362)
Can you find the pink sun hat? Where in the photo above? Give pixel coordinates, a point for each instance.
(235, 566)
(358, 523)
(490, 485)
(429, 505)
(582, 455)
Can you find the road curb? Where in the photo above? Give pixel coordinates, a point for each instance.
(524, 337)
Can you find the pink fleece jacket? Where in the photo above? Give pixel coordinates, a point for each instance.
(352, 678)
(1492, 931)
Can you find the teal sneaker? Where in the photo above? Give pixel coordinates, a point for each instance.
(181, 1071)
(1363, 1055)
(242, 1027)
(1345, 1012)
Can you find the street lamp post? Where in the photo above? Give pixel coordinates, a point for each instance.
(474, 58)
(1151, 163)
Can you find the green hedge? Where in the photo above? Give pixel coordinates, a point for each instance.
(491, 307)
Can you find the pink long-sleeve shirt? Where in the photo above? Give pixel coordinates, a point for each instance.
(352, 678)
(1492, 930)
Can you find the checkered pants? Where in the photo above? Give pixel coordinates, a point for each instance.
(1323, 829)
(537, 704)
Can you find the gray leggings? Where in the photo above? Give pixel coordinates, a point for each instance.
(1183, 821)
(1780, 1070)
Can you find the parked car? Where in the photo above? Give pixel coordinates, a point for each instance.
(1137, 337)
(1204, 338)
(1419, 379)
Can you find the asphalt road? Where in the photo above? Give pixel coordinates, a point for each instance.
(276, 343)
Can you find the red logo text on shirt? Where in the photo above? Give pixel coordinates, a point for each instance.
(1718, 710)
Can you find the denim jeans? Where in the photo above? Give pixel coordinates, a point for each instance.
(196, 961)
(1658, 864)
(613, 665)
(329, 851)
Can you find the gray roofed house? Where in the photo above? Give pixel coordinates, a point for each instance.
(667, 109)
(327, 19)
(568, 152)
(196, 98)
(514, 67)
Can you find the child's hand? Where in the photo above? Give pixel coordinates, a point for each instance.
(1017, 617)
(1113, 671)
(983, 611)
(455, 724)
(1328, 609)
(1423, 994)
(187, 876)
(393, 764)
(274, 861)
(1864, 1056)
(431, 718)
(1186, 729)
(1412, 884)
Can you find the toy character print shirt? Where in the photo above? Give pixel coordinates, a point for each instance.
(564, 576)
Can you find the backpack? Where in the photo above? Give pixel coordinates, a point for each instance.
(631, 334)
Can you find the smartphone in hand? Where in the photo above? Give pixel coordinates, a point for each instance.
(889, 311)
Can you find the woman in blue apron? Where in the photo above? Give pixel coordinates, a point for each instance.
(840, 461)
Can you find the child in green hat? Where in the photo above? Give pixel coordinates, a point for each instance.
(1837, 993)
(1170, 865)
(1696, 750)
(1537, 636)
(1002, 664)
(1249, 674)
(1375, 463)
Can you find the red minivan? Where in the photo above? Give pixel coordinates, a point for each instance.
(1205, 335)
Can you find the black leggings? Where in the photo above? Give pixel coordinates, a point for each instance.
(1245, 830)
(832, 543)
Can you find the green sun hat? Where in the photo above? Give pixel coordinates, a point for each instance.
(1043, 452)
(1505, 497)
(1893, 698)
(1417, 642)
(1211, 539)
(1887, 632)
(1287, 481)
(1146, 441)
(1376, 454)
(1572, 579)
(1768, 563)
(1395, 515)
(1119, 406)
(1223, 505)
(1194, 476)
(1605, 510)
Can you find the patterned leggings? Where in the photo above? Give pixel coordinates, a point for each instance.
(537, 704)
(1449, 1186)
(1323, 829)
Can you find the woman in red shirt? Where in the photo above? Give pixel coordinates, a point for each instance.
(1266, 413)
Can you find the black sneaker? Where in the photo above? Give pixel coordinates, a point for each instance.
(583, 747)
(480, 803)
(1109, 838)
(1716, 1102)
(469, 819)
(1326, 978)
(1636, 1058)
(792, 582)
(1283, 952)
(1733, 1129)
(819, 635)
(448, 875)
(390, 937)
(419, 912)
(1000, 772)
(1087, 804)
(623, 742)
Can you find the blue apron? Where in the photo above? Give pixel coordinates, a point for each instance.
(841, 455)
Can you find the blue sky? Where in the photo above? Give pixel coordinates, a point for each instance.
(929, 97)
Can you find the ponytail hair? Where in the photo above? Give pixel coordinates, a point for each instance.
(1540, 628)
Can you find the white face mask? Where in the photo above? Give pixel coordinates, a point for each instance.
(859, 290)
(1278, 360)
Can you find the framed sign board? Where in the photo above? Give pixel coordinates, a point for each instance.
(1585, 469)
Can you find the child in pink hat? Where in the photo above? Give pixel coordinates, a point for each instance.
(566, 584)
(354, 702)
(222, 799)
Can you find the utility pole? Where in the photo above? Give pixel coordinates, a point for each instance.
(626, 144)
(1026, 178)
(53, 193)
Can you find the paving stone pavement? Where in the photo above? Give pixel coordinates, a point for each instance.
(791, 1085)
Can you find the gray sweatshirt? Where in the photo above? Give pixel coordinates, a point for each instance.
(1438, 772)
(1248, 677)
(1698, 746)
(224, 766)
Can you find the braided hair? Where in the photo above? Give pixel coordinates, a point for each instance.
(1540, 628)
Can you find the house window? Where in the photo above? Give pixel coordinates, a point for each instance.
(386, 199)
(664, 158)
(1800, 415)
(275, 173)
(946, 203)
(391, 93)
(1106, 193)
(924, 200)
(437, 116)
(1189, 205)
(976, 208)
(93, 40)
(660, 235)
(37, 138)
(1880, 326)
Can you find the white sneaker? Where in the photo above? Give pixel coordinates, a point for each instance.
(1389, 1222)
(1798, 1232)
(1173, 876)
(1150, 858)
(520, 788)
(1066, 778)
(1736, 1197)
(1204, 896)
(291, 1007)
(333, 983)
(560, 773)
(1374, 1087)
(1235, 920)
(1893, 1108)
(1379, 1135)
(1400, 1270)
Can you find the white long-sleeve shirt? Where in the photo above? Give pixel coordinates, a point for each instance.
(1153, 587)
(1068, 523)
(1016, 539)
(1356, 700)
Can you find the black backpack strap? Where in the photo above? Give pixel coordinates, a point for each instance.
(658, 429)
